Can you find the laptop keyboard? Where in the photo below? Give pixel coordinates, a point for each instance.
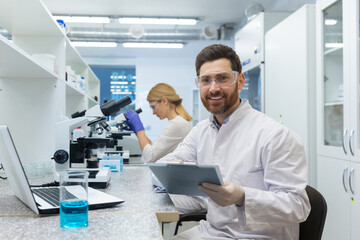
(51, 195)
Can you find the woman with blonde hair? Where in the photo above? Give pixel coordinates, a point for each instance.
(165, 103)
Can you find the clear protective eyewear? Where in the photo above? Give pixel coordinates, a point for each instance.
(222, 79)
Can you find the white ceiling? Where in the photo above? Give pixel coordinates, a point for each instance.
(215, 12)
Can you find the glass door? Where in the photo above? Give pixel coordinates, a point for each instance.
(333, 84)
(333, 89)
(357, 96)
(354, 136)
(253, 88)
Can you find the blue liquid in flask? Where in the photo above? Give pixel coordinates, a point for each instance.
(74, 214)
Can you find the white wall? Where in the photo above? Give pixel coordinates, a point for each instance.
(290, 79)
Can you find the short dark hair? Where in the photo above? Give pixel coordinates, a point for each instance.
(217, 51)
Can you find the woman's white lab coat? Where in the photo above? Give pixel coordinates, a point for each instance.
(173, 134)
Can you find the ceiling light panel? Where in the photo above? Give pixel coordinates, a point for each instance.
(83, 19)
(166, 21)
(94, 44)
(152, 45)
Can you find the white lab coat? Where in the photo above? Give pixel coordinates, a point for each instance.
(267, 159)
(173, 134)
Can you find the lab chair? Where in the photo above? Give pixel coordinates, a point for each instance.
(312, 228)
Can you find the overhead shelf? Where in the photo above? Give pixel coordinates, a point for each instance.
(16, 63)
(28, 18)
(74, 59)
(79, 66)
(31, 86)
(71, 91)
(92, 102)
(92, 78)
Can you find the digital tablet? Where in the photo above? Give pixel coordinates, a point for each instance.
(184, 179)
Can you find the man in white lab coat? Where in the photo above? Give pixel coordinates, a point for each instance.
(262, 163)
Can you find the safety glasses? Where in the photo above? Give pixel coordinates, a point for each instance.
(222, 79)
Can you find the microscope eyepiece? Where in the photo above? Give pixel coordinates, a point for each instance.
(112, 107)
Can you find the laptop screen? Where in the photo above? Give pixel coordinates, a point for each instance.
(14, 170)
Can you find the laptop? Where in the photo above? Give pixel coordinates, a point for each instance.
(19, 183)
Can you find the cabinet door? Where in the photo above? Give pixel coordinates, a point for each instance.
(332, 182)
(354, 137)
(354, 187)
(332, 86)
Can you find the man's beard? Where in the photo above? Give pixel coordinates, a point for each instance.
(221, 108)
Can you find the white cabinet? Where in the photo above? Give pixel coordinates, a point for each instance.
(290, 78)
(338, 202)
(338, 116)
(33, 94)
(338, 78)
(249, 45)
(339, 183)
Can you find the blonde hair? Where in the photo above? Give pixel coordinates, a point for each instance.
(165, 90)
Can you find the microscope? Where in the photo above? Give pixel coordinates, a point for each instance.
(80, 153)
(113, 146)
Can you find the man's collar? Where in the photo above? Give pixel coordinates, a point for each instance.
(215, 122)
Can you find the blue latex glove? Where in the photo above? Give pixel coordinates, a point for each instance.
(133, 121)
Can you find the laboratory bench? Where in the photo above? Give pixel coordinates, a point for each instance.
(137, 218)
